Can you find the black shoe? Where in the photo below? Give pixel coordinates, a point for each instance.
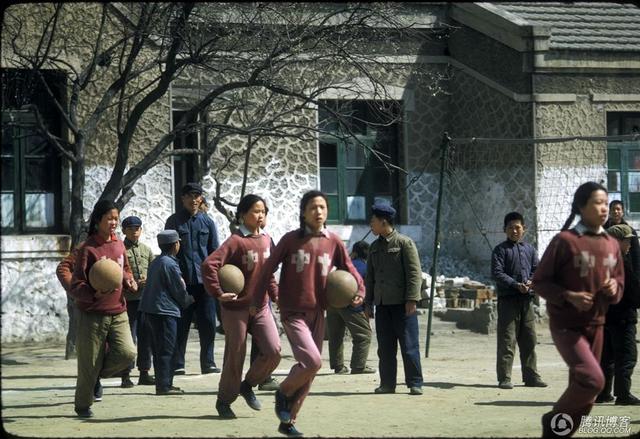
(224, 410)
(146, 379)
(384, 389)
(247, 393)
(505, 384)
(170, 391)
(179, 371)
(97, 391)
(535, 383)
(269, 384)
(289, 430)
(220, 329)
(176, 388)
(283, 411)
(210, 369)
(627, 400)
(604, 397)
(84, 413)
(341, 370)
(126, 382)
(364, 370)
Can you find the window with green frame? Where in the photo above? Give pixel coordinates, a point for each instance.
(623, 161)
(351, 175)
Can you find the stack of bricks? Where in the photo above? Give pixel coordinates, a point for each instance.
(468, 294)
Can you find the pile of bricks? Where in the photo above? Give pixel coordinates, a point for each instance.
(456, 292)
(465, 293)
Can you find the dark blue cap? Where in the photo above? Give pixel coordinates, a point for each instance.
(383, 209)
(168, 237)
(131, 221)
(191, 188)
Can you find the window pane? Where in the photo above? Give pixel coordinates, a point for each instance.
(355, 156)
(634, 201)
(631, 124)
(38, 175)
(356, 209)
(39, 210)
(7, 210)
(634, 159)
(329, 181)
(634, 182)
(613, 181)
(8, 175)
(615, 196)
(36, 145)
(7, 141)
(334, 211)
(328, 155)
(381, 181)
(355, 183)
(613, 159)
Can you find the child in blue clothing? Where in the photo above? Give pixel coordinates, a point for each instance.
(165, 294)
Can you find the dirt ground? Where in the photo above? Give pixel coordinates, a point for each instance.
(460, 397)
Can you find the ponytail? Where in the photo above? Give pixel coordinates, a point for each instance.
(568, 222)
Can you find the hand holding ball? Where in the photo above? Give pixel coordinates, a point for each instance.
(105, 275)
(231, 279)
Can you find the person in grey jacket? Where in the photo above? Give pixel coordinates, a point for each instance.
(164, 296)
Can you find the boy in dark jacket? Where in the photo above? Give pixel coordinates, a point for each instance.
(619, 351)
(164, 296)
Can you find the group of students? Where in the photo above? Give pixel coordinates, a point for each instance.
(583, 271)
(186, 274)
(590, 282)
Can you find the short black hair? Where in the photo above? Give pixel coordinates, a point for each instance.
(361, 249)
(615, 203)
(513, 216)
(166, 248)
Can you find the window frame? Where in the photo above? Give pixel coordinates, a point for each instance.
(625, 150)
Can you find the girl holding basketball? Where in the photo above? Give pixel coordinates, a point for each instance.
(579, 275)
(247, 248)
(307, 255)
(102, 314)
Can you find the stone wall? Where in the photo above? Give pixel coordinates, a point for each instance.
(562, 167)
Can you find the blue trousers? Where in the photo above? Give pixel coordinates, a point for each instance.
(141, 334)
(204, 308)
(164, 331)
(394, 327)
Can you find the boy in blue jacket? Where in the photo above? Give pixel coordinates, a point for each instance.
(165, 294)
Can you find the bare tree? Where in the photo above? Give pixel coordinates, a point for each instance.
(260, 66)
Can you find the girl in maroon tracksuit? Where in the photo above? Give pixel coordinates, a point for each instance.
(307, 255)
(579, 275)
(248, 248)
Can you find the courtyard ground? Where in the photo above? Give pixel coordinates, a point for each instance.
(460, 397)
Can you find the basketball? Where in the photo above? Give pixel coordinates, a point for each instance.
(105, 275)
(341, 288)
(231, 279)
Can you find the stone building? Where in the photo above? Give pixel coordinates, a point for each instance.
(512, 71)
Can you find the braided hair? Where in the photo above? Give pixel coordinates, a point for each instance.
(580, 199)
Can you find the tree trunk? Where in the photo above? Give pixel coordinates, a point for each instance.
(77, 193)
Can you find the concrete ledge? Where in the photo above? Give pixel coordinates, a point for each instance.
(605, 97)
(34, 246)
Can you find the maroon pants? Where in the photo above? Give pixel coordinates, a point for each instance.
(580, 348)
(237, 324)
(305, 331)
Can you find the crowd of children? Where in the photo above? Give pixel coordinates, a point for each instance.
(583, 274)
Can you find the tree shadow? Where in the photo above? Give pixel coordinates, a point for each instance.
(36, 389)
(12, 362)
(329, 393)
(441, 385)
(517, 403)
(33, 406)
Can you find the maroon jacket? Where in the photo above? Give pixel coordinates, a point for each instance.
(249, 253)
(93, 249)
(577, 260)
(306, 262)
